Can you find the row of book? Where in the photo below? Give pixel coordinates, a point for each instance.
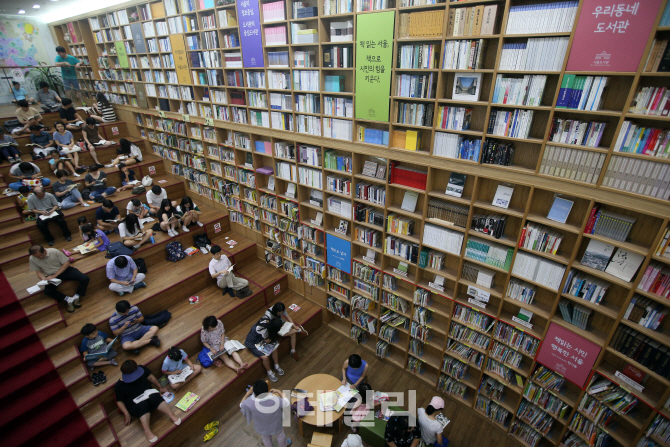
(418, 56)
(526, 91)
(454, 118)
(572, 164)
(472, 21)
(415, 86)
(515, 123)
(449, 145)
(583, 285)
(540, 238)
(489, 253)
(637, 139)
(498, 153)
(489, 224)
(644, 350)
(645, 312)
(538, 54)
(415, 114)
(421, 24)
(582, 133)
(581, 92)
(638, 176)
(575, 314)
(651, 101)
(442, 238)
(609, 224)
(659, 57)
(556, 17)
(539, 270)
(656, 279)
(463, 55)
(662, 249)
(448, 212)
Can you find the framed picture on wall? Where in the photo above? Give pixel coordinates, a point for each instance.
(467, 86)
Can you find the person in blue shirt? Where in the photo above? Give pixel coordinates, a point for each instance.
(354, 370)
(175, 362)
(67, 64)
(20, 93)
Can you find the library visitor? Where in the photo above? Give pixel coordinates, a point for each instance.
(137, 394)
(66, 191)
(126, 322)
(58, 163)
(123, 275)
(92, 138)
(65, 142)
(47, 209)
(175, 363)
(189, 212)
(98, 237)
(221, 269)
(354, 370)
(359, 406)
(155, 197)
(400, 432)
(71, 118)
(128, 153)
(136, 207)
(26, 171)
(51, 263)
(168, 218)
(265, 335)
(47, 99)
(431, 429)
(19, 93)
(107, 217)
(42, 141)
(22, 203)
(352, 440)
(265, 408)
(213, 337)
(27, 116)
(132, 232)
(128, 180)
(105, 111)
(279, 311)
(68, 64)
(8, 147)
(95, 342)
(96, 180)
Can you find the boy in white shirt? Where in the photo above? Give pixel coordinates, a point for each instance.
(154, 198)
(218, 268)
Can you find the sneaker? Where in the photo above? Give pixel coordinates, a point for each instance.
(288, 442)
(76, 302)
(272, 376)
(136, 247)
(76, 175)
(121, 293)
(155, 341)
(51, 242)
(279, 370)
(295, 356)
(96, 378)
(102, 377)
(86, 205)
(69, 238)
(109, 165)
(184, 229)
(70, 299)
(171, 233)
(70, 307)
(200, 224)
(139, 285)
(31, 219)
(113, 362)
(203, 250)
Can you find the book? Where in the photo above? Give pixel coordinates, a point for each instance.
(327, 400)
(409, 201)
(229, 347)
(560, 210)
(267, 348)
(181, 377)
(101, 354)
(597, 255)
(286, 327)
(187, 402)
(456, 184)
(503, 196)
(624, 264)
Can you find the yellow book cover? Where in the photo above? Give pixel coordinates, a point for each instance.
(411, 140)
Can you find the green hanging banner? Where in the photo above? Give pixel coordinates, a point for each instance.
(122, 55)
(374, 56)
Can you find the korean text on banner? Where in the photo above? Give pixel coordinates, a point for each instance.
(121, 53)
(180, 58)
(374, 56)
(251, 40)
(339, 253)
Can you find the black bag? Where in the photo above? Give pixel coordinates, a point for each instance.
(139, 189)
(80, 169)
(118, 249)
(99, 199)
(11, 125)
(141, 265)
(243, 293)
(86, 194)
(201, 240)
(160, 319)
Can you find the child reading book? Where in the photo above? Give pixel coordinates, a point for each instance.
(96, 348)
(128, 179)
(98, 237)
(8, 147)
(22, 202)
(432, 423)
(177, 366)
(59, 163)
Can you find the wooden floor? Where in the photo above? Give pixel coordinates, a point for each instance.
(323, 352)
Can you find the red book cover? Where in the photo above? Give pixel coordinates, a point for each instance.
(633, 373)
(589, 224)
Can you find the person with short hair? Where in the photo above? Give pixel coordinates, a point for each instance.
(136, 380)
(98, 237)
(401, 432)
(95, 342)
(43, 142)
(265, 408)
(128, 153)
(352, 440)
(66, 192)
(70, 116)
(51, 263)
(22, 202)
(20, 93)
(431, 429)
(65, 142)
(44, 204)
(127, 323)
(155, 197)
(96, 180)
(176, 361)
(132, 232)
(68, 64)
(123, 275)
(265, 331)
(219, 267)
(136, 207)
(354, 370)
(189, 212)
(26, 171)
(48, 100)
(8, 147)
(127, 176)
(105, 214)
(58, 163)
(104, 109)
(27, 116)
(278, 310)
(168, 218)
(213, 337)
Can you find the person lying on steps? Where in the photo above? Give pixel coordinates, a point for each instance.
(213, 337)
(127, 322)
(123, 275)
(220, 269)
(51, 263)
(176, 361)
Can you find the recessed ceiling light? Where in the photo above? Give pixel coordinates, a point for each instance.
(36, 6)
(21, 11)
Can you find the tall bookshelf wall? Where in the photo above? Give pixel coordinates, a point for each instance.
(214, 146)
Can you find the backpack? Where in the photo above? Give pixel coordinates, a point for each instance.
(139, 190)
(11, 125)
(141, 265)
(86, 194)
(175, 252)
(117, 249)
(201, 240)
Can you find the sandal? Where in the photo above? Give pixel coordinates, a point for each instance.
(218, 363)
(211, 434)
(211, 425)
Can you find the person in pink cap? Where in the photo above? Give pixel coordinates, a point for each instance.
(431, 429)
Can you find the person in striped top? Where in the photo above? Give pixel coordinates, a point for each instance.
(103, 109)
(127, 323)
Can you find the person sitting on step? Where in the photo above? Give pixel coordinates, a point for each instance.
(123, 275)
(278, 310)
(47, 209)
(174, 364)
(92, 139)
(95, 342)
(132, 232)
(20, 93)
(127, 323)
(104, 110)
(59, 163)
(168, 218)
(51, 263)
(98, 237)
(127, 176)
(354, 370)
(221, 269)
(8, 147)
(22, 202)
(27, 116)
(265, 335)
(136, 380)
(136, 207)
(25, 171)
(42, 141)
(189, 212)
(155, 197)
(70, 116)
(213, 337)
(47, 99)
(108, 217)
(66, 144)
(128, 153)
(66, 191)
(96, 180)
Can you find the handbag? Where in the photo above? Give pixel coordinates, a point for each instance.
(204, 359)
(32, 182)
(139, 190)
(147, 181)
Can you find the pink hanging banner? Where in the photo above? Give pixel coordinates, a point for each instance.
(611, 34)
(568, 354)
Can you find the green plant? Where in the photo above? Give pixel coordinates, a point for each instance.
(44, 74)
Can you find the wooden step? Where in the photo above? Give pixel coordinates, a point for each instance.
(34, 304)
(63, 353)
(14, 250)
(15, 242)
(9, 221)
(44, 322)
(73, 372)
(94, 414)
(104, 434)
(7, 209)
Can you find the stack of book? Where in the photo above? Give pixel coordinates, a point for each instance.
(421, 24)
(448, 212)
(489, 253)
(609, 224)
(538, 54)
(581, 92)
(575, 313)
(638, 139)
(582, 133)
(442, 238)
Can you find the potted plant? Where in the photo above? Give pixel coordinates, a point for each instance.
(44, 74)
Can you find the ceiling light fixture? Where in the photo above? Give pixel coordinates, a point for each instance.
(21, 11)
(36, 6)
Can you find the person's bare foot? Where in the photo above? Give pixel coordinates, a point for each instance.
(245, 366)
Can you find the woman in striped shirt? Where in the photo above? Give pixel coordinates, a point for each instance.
(104, 109)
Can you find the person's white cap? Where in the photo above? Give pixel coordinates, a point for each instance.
(437, 403)
(354, 441)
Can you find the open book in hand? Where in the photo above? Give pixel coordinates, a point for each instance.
(285, 328)
(99, 355)
(266, 348)
(442, 419)
(88, 247)
(181, 377)
(48, 216)
(145, 395)
(133, 182)
(54, 281)
(34, 145)
(229, 347)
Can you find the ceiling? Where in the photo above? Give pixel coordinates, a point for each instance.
(53, 10)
